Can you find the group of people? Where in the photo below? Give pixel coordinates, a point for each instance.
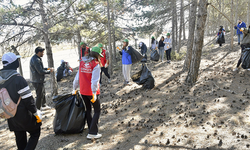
(28, 117)
(164, 44)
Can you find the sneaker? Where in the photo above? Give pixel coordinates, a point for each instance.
(109, 80)
(92, 136)
(248, 69)
(45, 107)
(235, 69)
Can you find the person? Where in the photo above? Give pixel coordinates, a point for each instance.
(154, 44)
(143, 48)
(240, 25)
(168, 47)
(24, 119)
(84, 49)
(104, 63)
(126, 61)
(220, 36)
(37, 75)
(161, 48)
(88, 78)
(63, 70)
(244, 44)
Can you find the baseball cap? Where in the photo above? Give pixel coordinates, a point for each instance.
(126, 40)
(83, 43)
(168, 34)
(100, 45)
(9, 58)
(98, 50)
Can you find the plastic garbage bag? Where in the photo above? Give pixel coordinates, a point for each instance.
(155, 56)
(245, 58)
(70, 114)
(220, 39)
(144, 77)
(144, 59)
(135, 55)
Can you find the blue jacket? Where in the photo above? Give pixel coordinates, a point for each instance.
(242, 25)
(126, 57)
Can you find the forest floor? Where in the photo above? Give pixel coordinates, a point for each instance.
(213, 114)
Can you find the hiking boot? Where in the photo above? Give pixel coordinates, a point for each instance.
(235, 69)
(92, 136)
(109, 81)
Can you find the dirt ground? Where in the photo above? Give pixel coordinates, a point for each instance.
(213, 114)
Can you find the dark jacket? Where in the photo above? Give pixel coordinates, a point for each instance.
(161, 44)
(60, 69)
(17, 86)
(143, 49)
(37, 71)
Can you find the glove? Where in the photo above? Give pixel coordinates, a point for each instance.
(74, 92)
(106, 65)
(38, 116)
(241, 29)
(93, 98)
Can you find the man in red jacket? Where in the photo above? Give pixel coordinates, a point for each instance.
(84, 49)
(104, 63)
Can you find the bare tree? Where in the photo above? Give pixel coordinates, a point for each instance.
(110, 47)
(48, 47)
(232, 26)
(192, 19)
(198, 43)
(173, 25)
(180, 29)
(248, 11)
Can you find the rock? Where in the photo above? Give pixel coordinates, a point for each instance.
(168, 142)
(220, 142)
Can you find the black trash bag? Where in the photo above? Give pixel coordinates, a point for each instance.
(135, 55)
(70, 114)
(155, 56)
(220, 39)
(245, 58)
(144, 77)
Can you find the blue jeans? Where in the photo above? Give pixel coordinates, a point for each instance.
(240, 37)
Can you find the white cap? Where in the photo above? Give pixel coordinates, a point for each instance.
(62, 61)
(9, 57)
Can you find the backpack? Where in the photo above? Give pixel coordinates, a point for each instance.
(8, 107)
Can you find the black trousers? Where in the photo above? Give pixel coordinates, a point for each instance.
(92, 121)
(40, 94)
(21, 139)
(168, 53)
(105, 70)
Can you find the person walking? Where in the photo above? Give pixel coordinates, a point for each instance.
(220, 37)
(88, 78)
(244, 44)
(126, 61)
(240, 25)
(25, 119)
(104, 63)
(37, 75)
(154, 44)
(168, 47)
(161, 48)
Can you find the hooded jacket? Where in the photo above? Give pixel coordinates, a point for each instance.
(17, 87)
(88, 66)
(37, 72)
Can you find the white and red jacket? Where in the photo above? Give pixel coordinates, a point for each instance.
(88, 76)
(104, 58)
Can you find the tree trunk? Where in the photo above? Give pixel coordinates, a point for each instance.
(110, 47)
(198, 43)
(236, 15)
(48, 48)
(192, 19)
(232, 26)
(180, 29)
(173, 25)
(78, 36)
(113, 33)
(248, 11)
(183, 25)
